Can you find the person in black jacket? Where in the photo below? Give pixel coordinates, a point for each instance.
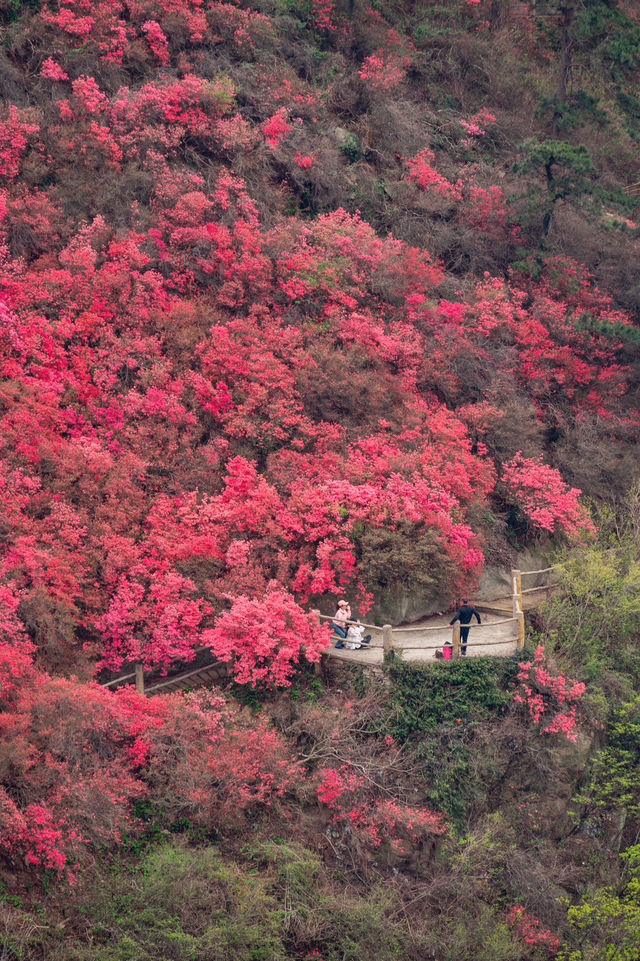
(464, 615)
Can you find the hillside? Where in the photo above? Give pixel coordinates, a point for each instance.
(303, 299)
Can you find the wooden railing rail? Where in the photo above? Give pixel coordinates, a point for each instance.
(120, 680)
(171, 680)
(436, 647)
(370, 627)
(137, 674)
(543, 570)
(474, 625)
(387, 637)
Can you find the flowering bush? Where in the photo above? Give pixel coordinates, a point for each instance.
(384, 70)
(531, 931)
(305, 162)
(276, 127)
(264, 638)
(17, 130)
(422, 171)
(551, 700)
(374, 820)
(477, 126)
(51, 70)
(77, 757)
(182, 376)
(543, 497)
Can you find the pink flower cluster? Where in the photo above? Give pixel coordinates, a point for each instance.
(375, 821)
(323, 13)
(531, 931)
(544, 498)
(422, 172)
(477, 126)
(384, 70)
(157, 40)
(305, 162)
(276, 127)
(551, 700)
(16, 130)
(51, 70)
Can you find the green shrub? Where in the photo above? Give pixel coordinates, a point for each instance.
(183, 905)
(614, 778)
(426, 695)
(435, 708)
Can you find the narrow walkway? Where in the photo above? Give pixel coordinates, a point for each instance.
(421, 646)
(501, 634)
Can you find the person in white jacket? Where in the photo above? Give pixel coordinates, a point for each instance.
(355, 640)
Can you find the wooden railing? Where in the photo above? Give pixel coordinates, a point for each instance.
(137, 675)
(389, 644)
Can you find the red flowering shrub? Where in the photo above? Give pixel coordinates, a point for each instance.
(477, 126)
(276, 127)
(387, 67)
(423, 172)
(531, 931)
(203, 411)
(551, 700)
(545, 500)
(157, 40)
(372, 819)
(305, 162)
(384, 70)
(323, 15)
(264, 638)
(75, 758)
(51, 70)
(17, 130)
(205, 765)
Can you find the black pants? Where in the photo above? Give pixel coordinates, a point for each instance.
(464, 636)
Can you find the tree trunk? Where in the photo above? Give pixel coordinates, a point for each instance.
(498, 13)
(567, 12)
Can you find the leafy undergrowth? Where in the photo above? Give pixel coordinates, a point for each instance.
(451, 837)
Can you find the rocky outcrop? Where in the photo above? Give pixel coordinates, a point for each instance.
(399, 607)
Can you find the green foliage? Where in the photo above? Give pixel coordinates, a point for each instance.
(427, 695)
(14, 9)
(614, 780)
(595, 620)
(357, 929)
(484, 939)
(605, 926)
(580, 108)
(630, 103)
(182, 905)
(565, 168)
(445, 765)
(435, 707)
(562, 163)
(630, 335)
(352, 148)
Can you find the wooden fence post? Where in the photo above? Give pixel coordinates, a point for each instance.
(387, 640)
(518, 608)
(455, 637)
(139, 678)
(516, 580)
